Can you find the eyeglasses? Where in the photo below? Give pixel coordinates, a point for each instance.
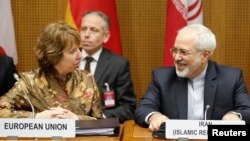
(182, 52)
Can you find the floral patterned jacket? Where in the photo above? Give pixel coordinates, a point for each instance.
(81, 95)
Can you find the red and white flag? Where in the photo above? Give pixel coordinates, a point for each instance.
(7, 32)
(76, 8)
(179, 14)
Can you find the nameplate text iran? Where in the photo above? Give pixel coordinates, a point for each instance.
(193, 129)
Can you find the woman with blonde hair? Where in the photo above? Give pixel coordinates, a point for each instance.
(57, 89)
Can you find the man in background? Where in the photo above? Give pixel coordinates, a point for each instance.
(111, 72)
(7, 69)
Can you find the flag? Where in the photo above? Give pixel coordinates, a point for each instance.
(76, 8)
(179, 14)
(2, 52)
(7, 32)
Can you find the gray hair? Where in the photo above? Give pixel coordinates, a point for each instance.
(103, 16)
(205, 38)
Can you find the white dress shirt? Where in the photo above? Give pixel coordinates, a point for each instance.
(196, 96)
(93, 64)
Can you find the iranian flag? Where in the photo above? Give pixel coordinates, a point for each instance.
(7, 32)
(76, 8)
(179, 14)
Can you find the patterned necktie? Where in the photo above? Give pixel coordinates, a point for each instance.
(88, 61)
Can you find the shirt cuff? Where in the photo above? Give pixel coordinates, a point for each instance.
(148, 116)
(103, 116)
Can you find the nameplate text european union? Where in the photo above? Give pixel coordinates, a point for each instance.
(25, 127)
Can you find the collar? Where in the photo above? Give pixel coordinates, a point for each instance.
(200, 76)
(96, 55)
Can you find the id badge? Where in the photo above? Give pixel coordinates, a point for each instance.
(109, 99)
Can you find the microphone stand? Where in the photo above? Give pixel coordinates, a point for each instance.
(25, 95)
(205, 118)
(205, 114)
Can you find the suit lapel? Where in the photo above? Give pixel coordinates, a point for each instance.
(210, 88)
(180, 91)
(102, 65)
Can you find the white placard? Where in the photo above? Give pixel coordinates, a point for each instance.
(193, 129)
(24, 127)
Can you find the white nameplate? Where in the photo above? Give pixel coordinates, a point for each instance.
(25, 127)
(193, 129)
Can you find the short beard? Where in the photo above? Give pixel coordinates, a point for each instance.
(183, 73)
(187, 71)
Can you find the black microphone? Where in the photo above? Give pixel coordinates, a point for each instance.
(205, 113)
(25, 94)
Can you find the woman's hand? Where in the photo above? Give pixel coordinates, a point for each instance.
(57, 112)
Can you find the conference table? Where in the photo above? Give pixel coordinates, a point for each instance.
(129, 131)
(79, 138)
(134, 132)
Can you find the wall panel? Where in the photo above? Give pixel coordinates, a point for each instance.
(142, 26)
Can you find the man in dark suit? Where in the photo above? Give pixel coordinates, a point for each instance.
(194, 85)
(111, 72)
(7, 69)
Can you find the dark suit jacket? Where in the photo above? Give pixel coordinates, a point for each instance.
(115, 70)
(224, 91)
(7, 69)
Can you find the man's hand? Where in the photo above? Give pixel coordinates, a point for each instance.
(231, 116)
(155, 121)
